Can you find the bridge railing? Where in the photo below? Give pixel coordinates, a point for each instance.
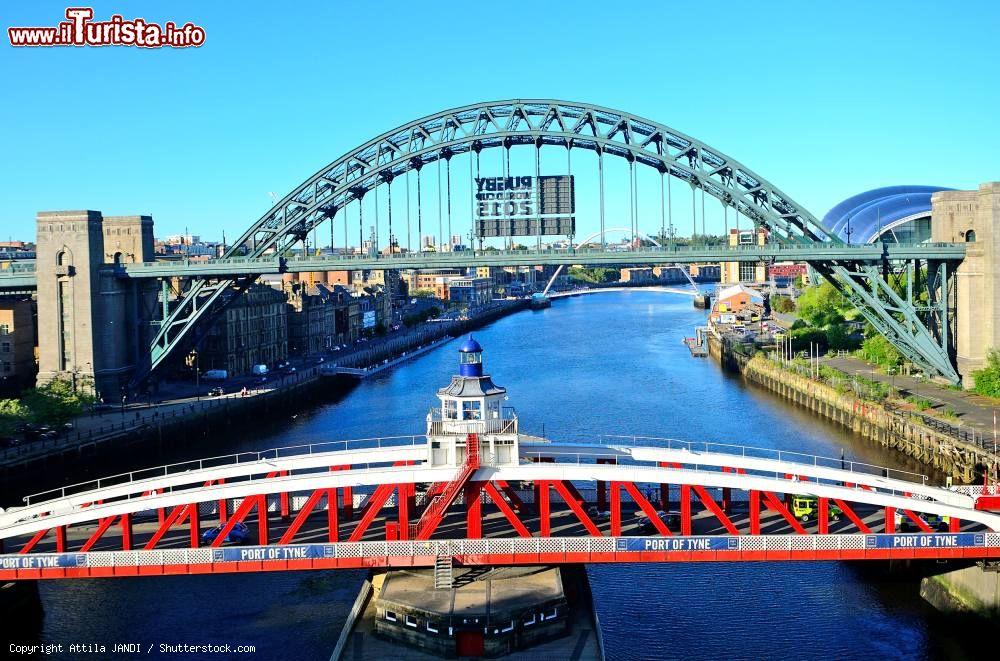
(753, 452)
(284, 452)
(594, 458)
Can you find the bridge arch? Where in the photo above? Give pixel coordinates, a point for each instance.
(921, 335)
(538, 122)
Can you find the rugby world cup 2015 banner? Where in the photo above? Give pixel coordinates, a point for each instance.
(525, 206)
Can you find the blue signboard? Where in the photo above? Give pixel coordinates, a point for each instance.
(46, 561)
(926, 541)
(718, 543)
(258, 553)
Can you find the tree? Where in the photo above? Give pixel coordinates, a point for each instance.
(782, 304)
(422, 293)
(988, 379)
(876, 349)
(803, 338)
(838, 338)
(12, 414)
(823, 305)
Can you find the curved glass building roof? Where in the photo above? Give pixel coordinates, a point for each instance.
(895, 213)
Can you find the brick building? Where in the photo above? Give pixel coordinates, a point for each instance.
(17, 346)
(252, 331)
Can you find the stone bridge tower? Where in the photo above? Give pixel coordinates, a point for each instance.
(89, 318)
(973, 217)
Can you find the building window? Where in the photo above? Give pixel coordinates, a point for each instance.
(5, 347)
(450, 409)
(528, 621)
(4, 329)
(970, 236)
(471, 411)
(389, 615)
(6, 368)
(410, 621)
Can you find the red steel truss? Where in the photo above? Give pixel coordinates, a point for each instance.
(476, 494)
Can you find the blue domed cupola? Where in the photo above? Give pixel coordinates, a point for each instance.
(470, 358)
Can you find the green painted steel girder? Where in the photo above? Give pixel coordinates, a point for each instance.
(794, 233)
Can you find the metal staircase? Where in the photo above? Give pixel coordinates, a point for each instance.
(436, 509)
(443, 577)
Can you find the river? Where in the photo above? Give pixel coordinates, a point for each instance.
(609, 363)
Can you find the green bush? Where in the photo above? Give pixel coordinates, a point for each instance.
(988, 379)
(823, 305)
(949, 413)
(782, 304)
(921, 403)
(803, 337)
(52, 404)
(12, 414)
(876, 349)
(838, 338)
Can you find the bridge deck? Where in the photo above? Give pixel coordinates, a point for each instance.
(494, 525)
(23, 276)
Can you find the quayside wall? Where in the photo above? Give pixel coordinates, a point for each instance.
(965, 462)
(952, 587)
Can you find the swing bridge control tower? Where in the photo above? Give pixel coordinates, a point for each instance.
(462, 611)
(472, 419)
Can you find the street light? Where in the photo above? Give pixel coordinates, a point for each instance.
(197, 376)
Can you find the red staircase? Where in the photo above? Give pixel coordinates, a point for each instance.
(447, 492)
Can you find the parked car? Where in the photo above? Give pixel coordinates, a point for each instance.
(806, 508)
(597, 514)
(216, 392)
(647, 527)
(933, 521)
(238, 535)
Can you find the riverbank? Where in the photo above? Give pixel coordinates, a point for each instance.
(191, 419)
(913, 436)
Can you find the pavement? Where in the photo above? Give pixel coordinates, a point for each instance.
(973, 411)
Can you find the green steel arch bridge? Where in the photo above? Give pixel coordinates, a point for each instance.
(448, 147)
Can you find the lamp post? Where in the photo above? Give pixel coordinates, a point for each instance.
(197, 376)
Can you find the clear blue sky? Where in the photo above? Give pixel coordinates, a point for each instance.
(823, 99)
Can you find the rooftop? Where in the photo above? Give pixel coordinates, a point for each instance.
(863, 217)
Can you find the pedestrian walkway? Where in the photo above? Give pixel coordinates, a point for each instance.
(972, 410)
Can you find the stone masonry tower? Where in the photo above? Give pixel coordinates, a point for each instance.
(973, 217)
(89, 328)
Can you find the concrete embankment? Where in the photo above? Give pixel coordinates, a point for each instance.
(965, 462)
(972, 590)
(954, 587)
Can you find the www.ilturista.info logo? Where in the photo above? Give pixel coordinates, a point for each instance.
(81, 30)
